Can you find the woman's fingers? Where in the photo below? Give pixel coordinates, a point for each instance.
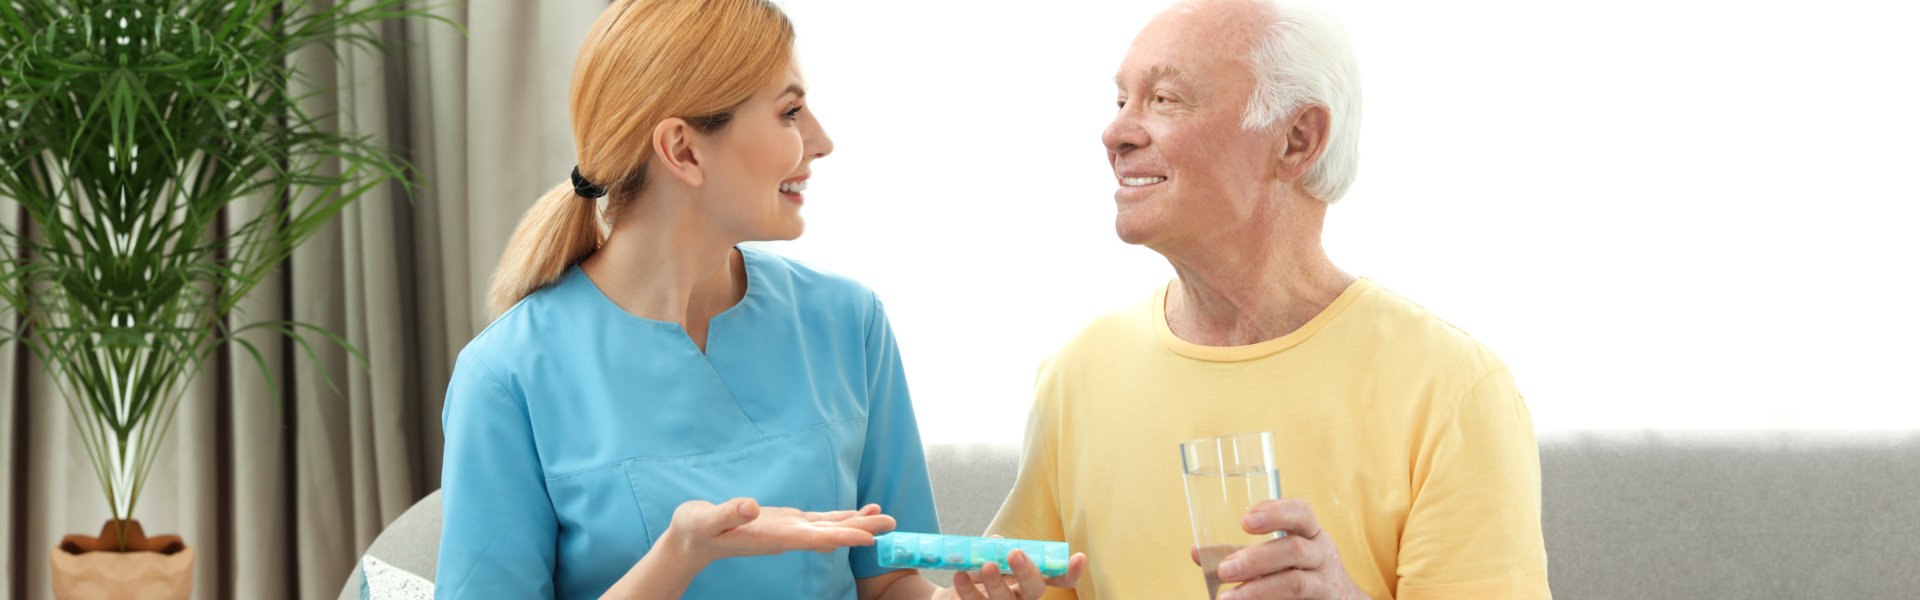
(874, 524)
(838, 515)
(712, 519)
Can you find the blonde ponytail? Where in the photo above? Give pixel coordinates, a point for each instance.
(561, 229)
(643, 62)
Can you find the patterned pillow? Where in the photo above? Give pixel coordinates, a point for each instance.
(382, 581)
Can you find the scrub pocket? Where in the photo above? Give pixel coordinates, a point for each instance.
(795, 470)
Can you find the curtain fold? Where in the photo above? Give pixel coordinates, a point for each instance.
(279, 498)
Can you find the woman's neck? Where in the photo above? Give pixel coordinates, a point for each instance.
(668, 267)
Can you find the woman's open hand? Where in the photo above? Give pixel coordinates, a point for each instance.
(741, 527)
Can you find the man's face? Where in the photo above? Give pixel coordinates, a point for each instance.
(1184, 165)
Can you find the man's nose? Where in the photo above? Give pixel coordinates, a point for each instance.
(1124, 133)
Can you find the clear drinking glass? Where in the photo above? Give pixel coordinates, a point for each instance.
(1225, 476)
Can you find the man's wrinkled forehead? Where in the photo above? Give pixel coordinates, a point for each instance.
(1190, 40)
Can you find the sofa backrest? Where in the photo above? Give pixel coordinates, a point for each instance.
(1662, 514)
(1758, 514)
(1627, 514)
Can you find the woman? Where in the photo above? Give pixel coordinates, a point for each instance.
(635, 377)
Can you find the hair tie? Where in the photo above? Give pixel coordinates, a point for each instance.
(585, 189)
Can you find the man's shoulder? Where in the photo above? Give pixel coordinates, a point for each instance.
(1395, 326)
(1127, 325)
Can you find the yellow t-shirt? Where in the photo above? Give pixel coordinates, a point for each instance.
(1405, 436)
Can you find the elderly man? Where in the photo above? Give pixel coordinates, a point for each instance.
(1407, 456)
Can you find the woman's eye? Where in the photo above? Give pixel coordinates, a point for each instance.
(792, 113)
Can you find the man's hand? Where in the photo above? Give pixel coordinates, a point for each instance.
(1302, 565)
(1024, 583)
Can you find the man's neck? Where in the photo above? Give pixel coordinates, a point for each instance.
(1249, 287)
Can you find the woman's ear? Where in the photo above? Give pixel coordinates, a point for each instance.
(675, 146)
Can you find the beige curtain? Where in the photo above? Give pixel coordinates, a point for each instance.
(279, 501)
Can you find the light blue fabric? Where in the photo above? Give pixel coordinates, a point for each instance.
(575, 428)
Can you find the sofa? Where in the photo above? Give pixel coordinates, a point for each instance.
(1627, 514)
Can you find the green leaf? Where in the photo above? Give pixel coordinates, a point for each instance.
(124, 146)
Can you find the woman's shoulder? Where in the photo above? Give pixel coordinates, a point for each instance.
(790, 280)
(545, 317)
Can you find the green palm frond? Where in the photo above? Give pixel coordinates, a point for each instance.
(126, 130)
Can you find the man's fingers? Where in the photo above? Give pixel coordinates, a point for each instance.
(996, 583)
(963, 586)
(1025, 572)
(1291, 515)
(1076, 566)
(1272, 556)
(1286, 584)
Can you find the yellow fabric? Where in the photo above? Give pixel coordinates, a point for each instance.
(1407, 438)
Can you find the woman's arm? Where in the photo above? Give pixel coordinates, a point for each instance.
(499, 531)
(703, 532)
(896, 585)
(664, 573)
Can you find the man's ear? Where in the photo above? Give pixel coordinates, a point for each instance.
(1303, 139)
(675, 146)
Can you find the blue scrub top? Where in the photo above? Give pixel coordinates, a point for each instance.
(574, 428)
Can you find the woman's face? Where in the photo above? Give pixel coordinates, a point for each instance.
(761, 160)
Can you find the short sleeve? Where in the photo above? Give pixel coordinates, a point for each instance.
(1473, 531)
(1032, 509)
(499, 532)
(893, 465)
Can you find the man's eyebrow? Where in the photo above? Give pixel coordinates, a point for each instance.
(1164, 71)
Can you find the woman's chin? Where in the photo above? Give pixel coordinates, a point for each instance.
(789, 232)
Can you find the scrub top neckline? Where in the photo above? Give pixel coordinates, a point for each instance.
(748, 258)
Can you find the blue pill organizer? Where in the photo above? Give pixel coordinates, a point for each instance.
(965, 553)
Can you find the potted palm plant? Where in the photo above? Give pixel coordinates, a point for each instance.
(125, 130)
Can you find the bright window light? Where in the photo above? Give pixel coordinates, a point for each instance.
(1660, 214)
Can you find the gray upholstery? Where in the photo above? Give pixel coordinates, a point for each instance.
(1732, 514)
(1628, 515)
(410, 542)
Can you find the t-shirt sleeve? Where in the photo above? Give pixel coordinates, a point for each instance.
(893, 465)
(1473, 531)
(499, 533)
(1032, 508)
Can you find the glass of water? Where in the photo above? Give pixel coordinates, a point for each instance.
(1225, 476)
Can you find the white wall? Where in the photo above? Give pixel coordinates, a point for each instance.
(1661, 214)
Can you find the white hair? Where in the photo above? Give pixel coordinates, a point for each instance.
(1305, 60)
